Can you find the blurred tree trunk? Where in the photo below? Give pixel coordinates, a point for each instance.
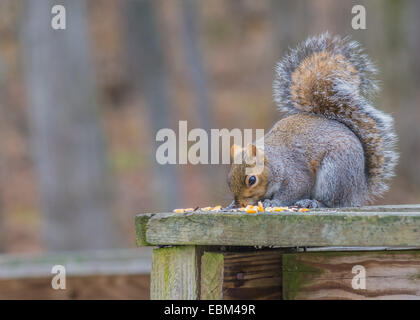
(149, 71)
(198, 79)
(285, 25)
(68, 143)
(3, 98)
(410, 141)
(194, 62)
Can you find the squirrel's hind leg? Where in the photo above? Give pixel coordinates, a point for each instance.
(340, 179)
(309, 203)
(273, 203)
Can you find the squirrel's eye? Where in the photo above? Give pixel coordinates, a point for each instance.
(252, 180)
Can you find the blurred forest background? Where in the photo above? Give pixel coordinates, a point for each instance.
(79, 108)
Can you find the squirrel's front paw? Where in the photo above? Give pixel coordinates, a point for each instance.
(309, 203)
(272, 203)
(231, 206)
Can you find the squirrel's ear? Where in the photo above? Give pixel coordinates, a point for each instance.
(235, 150)
(251, 150)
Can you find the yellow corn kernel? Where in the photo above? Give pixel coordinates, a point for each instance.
(251, 209)
(268, 209)
(260, 206)
(217, 208)
(278, 209)
(206, 209)
(303, 210)
(179, 211)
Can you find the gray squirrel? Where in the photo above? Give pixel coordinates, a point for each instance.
(333, 148)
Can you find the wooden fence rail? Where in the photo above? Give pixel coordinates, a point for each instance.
(104, 274)
(351, 253)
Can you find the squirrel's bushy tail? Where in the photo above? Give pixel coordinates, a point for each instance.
(330, 76)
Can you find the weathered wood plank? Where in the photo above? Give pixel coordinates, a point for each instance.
(176, 273)
(241, 275)
(379, 208)
(77, 263)
(140, 224)
(285, 229)
(103, 274)
(317, 249)
(212, 276)
(329, 275)
(88, 287)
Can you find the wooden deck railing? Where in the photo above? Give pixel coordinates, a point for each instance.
(103, 274)
(350, 253)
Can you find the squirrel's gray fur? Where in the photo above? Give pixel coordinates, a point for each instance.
(350, 104)
(333, 148)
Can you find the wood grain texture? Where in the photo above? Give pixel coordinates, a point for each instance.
(285, 229)
(241, 275)
(140, 224)
(328, 275)
(379, 208)
(212, 264)
(176, 273)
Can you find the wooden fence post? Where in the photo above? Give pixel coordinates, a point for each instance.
(176, 273)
